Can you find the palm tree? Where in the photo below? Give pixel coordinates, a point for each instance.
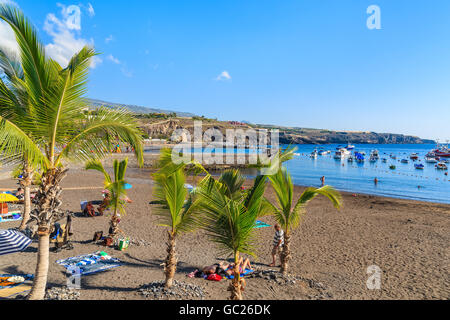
(116, 188)
(229, 219)
(55, 130)
(176, 211)
(288, 215)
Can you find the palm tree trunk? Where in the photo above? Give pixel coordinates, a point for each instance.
(47, 211)
(114, 224)
(235, 286)
(27, 181)
(170, 265)
(285, 255)
(40, 278)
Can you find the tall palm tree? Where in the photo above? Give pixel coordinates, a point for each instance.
(229, 219)
(55, 131)
(116, 188)
(289, 215)
(176, 211)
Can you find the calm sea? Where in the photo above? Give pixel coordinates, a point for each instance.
(403, 182)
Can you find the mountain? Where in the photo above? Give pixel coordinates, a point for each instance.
(136, 109)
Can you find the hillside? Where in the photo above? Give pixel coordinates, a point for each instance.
(136, 109)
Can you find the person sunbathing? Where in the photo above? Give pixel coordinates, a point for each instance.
(89, 210)
(227, 269)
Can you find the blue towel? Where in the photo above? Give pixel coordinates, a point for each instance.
(243, 274)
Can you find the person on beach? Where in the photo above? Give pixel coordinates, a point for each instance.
(20, 194)
(323, 181)
(226, 269)
(278, 242)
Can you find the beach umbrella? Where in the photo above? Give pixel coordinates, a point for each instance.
(12, 241)
(6, 197)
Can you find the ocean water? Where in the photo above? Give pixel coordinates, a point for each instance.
(359, 177)
(403, 182)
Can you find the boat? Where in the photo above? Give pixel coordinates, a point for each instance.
(350, 147)
(414, 156)
(430, 159)
(384, 160)
(419, 166)
(350, 159)
(404, 161)
(359, 157)
(394, 157)
(374, 155)
(323, 152)
(342, 153)
(313, 155)
(392, 167)
(441, 166)
(442, 151)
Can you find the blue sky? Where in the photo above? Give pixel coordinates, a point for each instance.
(311, 63)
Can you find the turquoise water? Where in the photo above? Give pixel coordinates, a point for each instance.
(359, 178)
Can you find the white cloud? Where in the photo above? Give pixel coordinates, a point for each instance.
(65, 33)
(91, 10)
(113, 59)
(7, 36)
(223, 76)
(109, 39)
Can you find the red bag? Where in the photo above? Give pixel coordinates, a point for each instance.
(214, 277)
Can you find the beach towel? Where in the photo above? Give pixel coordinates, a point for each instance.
(261, 224)
(9, 290)
(90, 263)
(243, 274)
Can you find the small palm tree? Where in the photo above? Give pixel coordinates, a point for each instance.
(54, 130)
(289, 215)
(116, 188)
(229, 219)
(176, 211)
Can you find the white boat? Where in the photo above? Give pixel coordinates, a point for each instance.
(323, 152)
(430, 159)
(405, 161)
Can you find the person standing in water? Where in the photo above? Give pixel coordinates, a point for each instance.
(375, 181)
(323, 181)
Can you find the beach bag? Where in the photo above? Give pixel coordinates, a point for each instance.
(214, 277)
(123, 244)
(109, 241)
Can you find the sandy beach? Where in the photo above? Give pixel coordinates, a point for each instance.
(408, 240)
